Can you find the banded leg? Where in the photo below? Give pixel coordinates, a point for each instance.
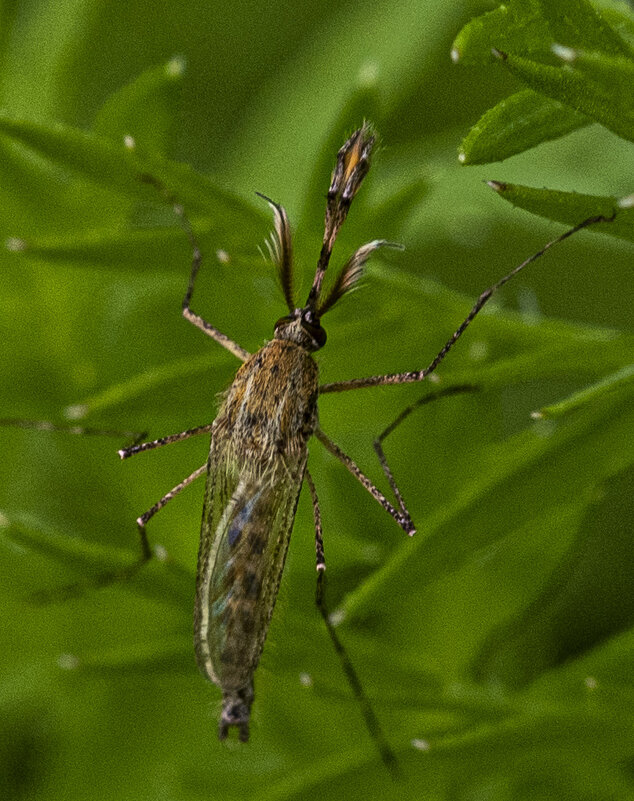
(371, 720)
(78, 589)
(137, 447)
(188, 314)
(146, 551)
(419, 375)
(378, 442)
(401, 515)
(319, 540)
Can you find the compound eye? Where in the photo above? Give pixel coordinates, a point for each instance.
(316, 332)
(282, 322)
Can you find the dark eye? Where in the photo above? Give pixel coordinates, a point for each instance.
(282, 322)
(316, 332)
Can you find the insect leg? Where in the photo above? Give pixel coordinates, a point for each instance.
(378, 442)
(188, 314)
(146, 551)
(371, 720)
(124, 453)
(78, 589)
(401, 515)
(419, 375)
(71, 428)
(319, 540)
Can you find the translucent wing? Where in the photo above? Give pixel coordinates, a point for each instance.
(247, 522)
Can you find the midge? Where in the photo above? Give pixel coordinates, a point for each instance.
(258, 454)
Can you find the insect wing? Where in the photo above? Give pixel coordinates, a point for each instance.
(247, 522)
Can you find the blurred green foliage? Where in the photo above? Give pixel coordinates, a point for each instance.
(497, 646)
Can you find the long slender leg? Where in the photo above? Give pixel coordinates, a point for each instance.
(188, 314)
(125, 453)
(146, 551)
(71, 428)
(401, 516)
(77, 589)
(319, 540)
(378, 442)
(419, 375)
(371, 720)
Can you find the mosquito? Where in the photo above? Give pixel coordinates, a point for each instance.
(258, 454)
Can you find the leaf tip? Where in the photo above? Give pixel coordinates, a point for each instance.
(497, 186)
(175, 67)
(15, 245)
(626, 202)
(368, 74)
(75, 412)
(67, 662)
(420, 745)
(160, 553)
(564, 53)
(305, 679)
(462, 157)
(455, 54)
(337, 617)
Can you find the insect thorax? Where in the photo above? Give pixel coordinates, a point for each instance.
(270, 410)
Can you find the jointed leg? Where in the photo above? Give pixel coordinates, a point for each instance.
(188, 314)
(146, 551)
(78, 589)
(401, 516)
(71, 428)
(378, 446)
(319, 540)
(371, 720)
(419, 375)
(124, 453)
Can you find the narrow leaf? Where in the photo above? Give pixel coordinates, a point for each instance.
(604, 96)
(530, 27)
(144, 109)
(570, 208)
(576, 23)
(517, 123)
(137, 250)
(516, 27)
(116, 167)
(621, 381)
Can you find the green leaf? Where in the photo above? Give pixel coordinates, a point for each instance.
(88, 563)
(519, 465)
(576, 23)
(144, 109)
(517, 123)
(516, 27)
(570, 208)
(550, 630)
(111, 167)
(621, 381)
(529, 28)
(140, 250)
(602, 89)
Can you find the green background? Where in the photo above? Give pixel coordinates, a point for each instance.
(499, 640)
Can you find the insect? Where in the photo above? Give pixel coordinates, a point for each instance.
(258, 454)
